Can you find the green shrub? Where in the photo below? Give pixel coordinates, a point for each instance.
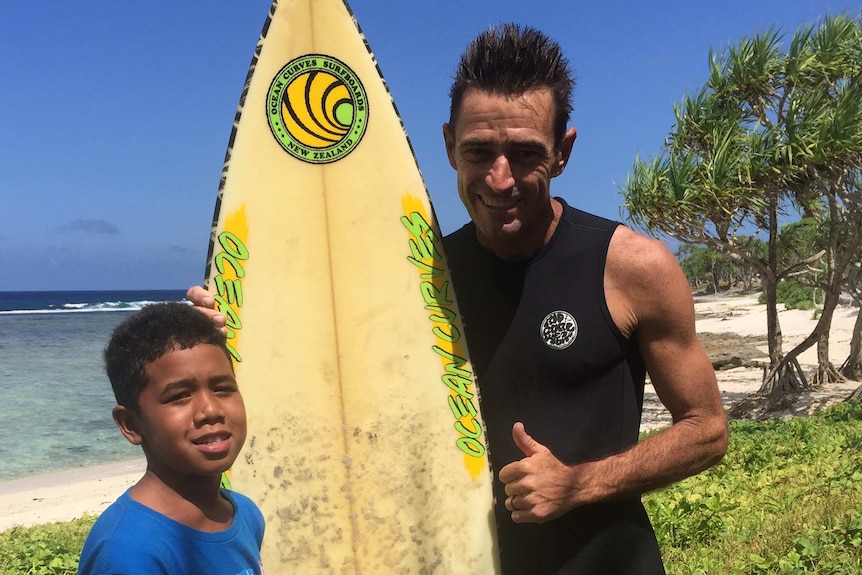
(793, 295)
(50, 549)
(787, 498)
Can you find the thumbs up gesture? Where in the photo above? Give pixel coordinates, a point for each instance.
(539, 487)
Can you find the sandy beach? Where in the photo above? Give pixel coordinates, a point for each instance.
(743, 316)
(65, 495)
(70, 494)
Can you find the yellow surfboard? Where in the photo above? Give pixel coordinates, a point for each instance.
(366, 449)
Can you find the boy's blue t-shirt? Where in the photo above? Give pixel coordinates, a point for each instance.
(130, 538)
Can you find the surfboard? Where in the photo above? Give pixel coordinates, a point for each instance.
(366, 449)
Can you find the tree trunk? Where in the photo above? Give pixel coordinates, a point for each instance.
(826, 372)
(780, 377)
(852, 366)
(773, 327)
(770, 288)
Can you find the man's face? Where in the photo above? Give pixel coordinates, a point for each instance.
(191, 419)
(503, 150)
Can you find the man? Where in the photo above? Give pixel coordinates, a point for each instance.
(564, 314)
(563, 311)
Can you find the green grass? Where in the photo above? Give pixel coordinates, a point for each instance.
(787, 499)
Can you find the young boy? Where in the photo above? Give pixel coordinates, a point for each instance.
(178, 399)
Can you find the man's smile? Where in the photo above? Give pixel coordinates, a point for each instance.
(496, 202)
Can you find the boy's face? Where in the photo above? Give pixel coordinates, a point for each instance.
(191, 417)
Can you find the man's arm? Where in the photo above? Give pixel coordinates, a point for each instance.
(649, 299)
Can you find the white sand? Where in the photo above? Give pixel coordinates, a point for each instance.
(70, 494)
(66, 495)
(744, 316)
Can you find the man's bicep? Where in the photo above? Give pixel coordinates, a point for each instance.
(679, 368)
(683, 378)
(650, 298)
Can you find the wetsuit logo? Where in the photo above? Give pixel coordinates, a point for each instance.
(559, 329)
(317, 109)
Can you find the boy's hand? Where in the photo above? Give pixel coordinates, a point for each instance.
(205, 303)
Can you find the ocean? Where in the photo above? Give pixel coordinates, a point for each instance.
(55, 399)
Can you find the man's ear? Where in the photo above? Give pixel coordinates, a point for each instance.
(127, 421)
(564, 150)
(449, 140)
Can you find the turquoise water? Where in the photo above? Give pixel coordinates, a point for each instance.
(55, 400)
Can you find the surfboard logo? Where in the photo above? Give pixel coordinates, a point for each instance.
(559, 329)
(317, 109)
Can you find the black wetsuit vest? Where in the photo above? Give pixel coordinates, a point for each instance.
(546, 352)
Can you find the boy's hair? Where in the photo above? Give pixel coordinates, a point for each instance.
(148, 335)
(510, 60)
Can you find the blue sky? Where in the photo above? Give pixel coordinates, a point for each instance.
(115, 115)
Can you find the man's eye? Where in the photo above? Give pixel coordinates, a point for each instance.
(529, 156)
(178, 397)
(474, 154)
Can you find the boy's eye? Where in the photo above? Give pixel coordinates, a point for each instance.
(226, 389)
(177, 397)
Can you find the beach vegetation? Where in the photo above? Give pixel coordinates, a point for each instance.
(787, 498)
(770, 147)
(795, 295)
(707, 269)
(711, 271)
(49, 549)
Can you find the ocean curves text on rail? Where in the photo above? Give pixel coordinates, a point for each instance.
(427, 258)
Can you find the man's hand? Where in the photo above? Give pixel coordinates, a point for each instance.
(205, 303)
(539, 487)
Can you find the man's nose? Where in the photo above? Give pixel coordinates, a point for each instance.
(499, 177)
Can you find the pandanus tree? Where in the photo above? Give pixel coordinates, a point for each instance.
(774, 135)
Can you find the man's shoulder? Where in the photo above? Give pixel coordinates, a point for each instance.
(637, 253)
(586, 219)
(643, 279)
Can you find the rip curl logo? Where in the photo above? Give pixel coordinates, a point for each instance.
(559, 329)
(317, 109)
